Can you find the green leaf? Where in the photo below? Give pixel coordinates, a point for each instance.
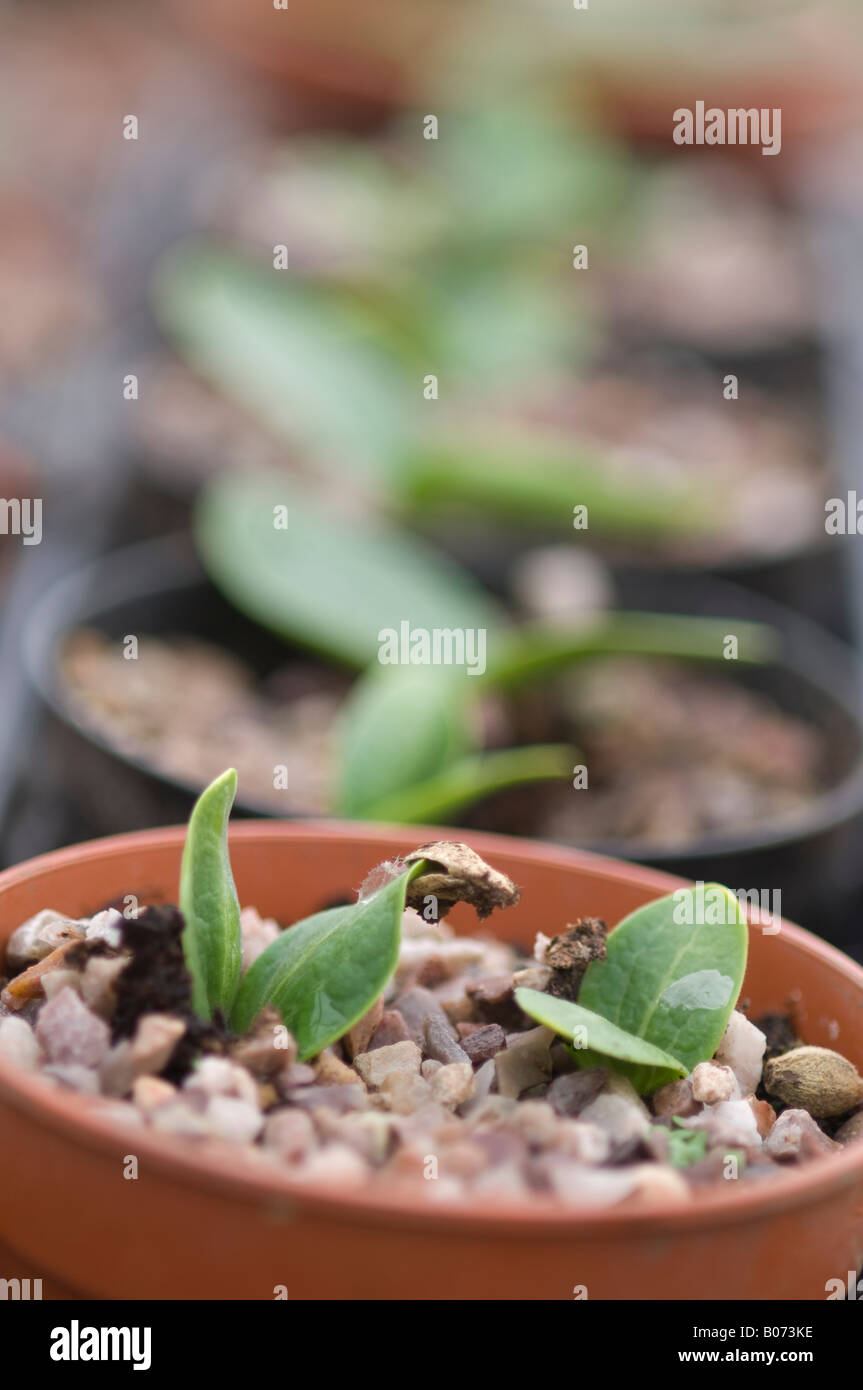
(515, 167)
(685, 1146)
(328, 582)
(673, 974)
(314, 367)
(398, 727)
(596, 1039)
(538, 479)
(208, 901)
(467, 781)
(527, 653)
(325, 972)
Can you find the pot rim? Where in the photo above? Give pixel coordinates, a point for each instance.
(172, 1159)
(175, 565)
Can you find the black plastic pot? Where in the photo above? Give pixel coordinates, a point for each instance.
(158, 587)
(818, 864)
(82, 785)
(816, 859)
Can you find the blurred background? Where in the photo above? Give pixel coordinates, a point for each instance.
(315, 322)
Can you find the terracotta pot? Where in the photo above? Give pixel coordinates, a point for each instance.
(637, 73)
(318, 49)
(224, 1227)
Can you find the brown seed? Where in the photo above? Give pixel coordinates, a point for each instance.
(815, 1079)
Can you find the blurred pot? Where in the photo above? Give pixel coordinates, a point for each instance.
(813, 857)
(158, 588)
(316, 49)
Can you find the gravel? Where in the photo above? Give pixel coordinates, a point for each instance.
(444, 1088)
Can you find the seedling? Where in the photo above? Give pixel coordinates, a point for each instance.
(655, 1007)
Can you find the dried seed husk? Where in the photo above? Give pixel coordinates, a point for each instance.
(455, 874)
(815, 1079)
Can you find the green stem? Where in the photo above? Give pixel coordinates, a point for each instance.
(472, 778)
(541, 483)
(530, 652)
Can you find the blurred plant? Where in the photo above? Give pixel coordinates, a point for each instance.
(410, 742)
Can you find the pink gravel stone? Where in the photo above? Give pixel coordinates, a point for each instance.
(796, 1136)
(70, 1034)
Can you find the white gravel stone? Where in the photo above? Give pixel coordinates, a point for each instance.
(541, 944)
(336, 1164)
(290, 1133)
(75, 1078)
(505, 1181)
(585, 1143)
(98, 983)
(61, 978)
(742, 1049)
(406, 1092)
(453, 1084)
(234, 1119)
(416, 928)
(18, 1043)
(580, 1186)
(156, 1036)
(619, 1111)
(217, 1076)
(179, 1117)
(712, 1083)
(455, 956)
(532, 977)
(257, 933)
(731, 1123)
(537, 1122)
(149, 1092)
(69, 1033)
(106, 926)
(38, 937)
(398, 1058)
(369, 1132)
(659, 1182)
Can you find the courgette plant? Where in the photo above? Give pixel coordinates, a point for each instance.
(655, 1007)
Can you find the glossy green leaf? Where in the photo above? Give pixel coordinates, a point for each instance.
(673, 974)
(324, 973)
(208, 901)
(329, 582)
(596, 1040)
